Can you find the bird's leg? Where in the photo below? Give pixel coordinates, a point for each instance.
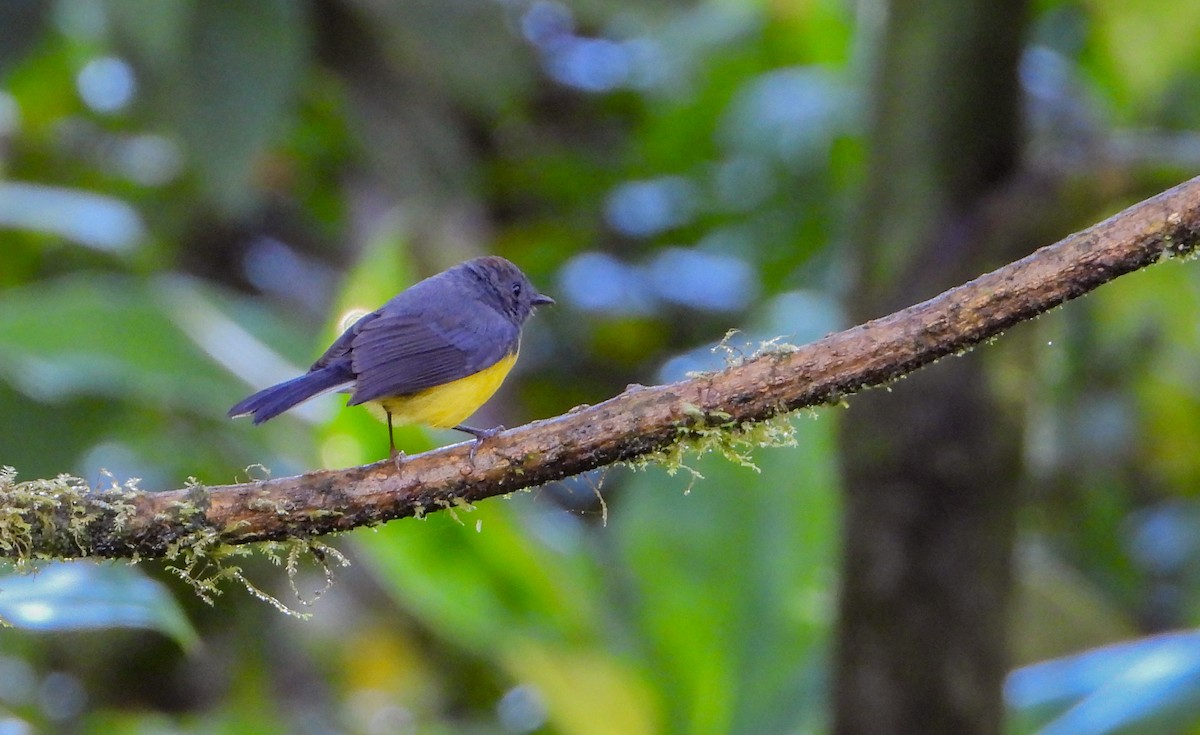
(396, 455)
(479, 434)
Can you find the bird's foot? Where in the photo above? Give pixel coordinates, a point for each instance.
(398, 458)
(481, 435)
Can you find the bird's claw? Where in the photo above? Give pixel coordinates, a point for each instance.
(482, 435)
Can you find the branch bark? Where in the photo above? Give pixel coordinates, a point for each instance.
(639, 422)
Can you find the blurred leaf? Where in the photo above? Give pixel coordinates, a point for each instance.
(732, 586)
(1142, 687)
(1156, 309)
(1057, 611)
(154, 357)
(588, 692)
(821, 32)
(120, 338)
(481, 579)
(45, 94)
(729, 585)
(88, 219)
(522, 595)
(1145, 44)
(73, 337)
(85, 595)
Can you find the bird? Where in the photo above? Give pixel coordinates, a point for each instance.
(432, 355)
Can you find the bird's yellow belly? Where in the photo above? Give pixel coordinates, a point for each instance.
(447, 405)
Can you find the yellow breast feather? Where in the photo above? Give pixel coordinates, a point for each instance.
(447, 405)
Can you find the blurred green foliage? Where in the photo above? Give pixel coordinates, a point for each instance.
(195, 193)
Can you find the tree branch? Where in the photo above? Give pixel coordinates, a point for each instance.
(637, 423)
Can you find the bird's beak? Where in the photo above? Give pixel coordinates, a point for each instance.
(542, 300)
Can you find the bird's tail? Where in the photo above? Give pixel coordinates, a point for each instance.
(270, 402)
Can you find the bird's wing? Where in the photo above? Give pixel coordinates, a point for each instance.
(404, 351)
(341, 346)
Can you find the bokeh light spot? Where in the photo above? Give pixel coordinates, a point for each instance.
(701, 280)
(645, 208)
(106, 84)
(595, 281)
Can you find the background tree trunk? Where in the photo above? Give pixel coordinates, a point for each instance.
(931, 468)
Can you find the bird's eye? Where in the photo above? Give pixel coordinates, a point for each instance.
(516, 290)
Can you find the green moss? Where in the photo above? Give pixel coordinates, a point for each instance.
(58, 518)
(63, 518)
(705, 432)
(278, 507)
(453, 504)
(735, 356)
(716, 432)
(205, 563)
(289, 554)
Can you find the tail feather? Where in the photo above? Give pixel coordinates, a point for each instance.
(270, 402)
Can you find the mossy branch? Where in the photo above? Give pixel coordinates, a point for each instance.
(63, 519)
